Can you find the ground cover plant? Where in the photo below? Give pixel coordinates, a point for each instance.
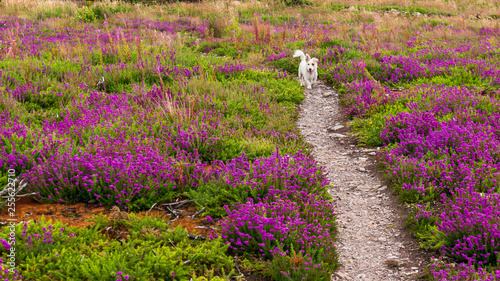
(137, 105)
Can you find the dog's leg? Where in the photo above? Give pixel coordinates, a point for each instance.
(308, 84)
(301, 78)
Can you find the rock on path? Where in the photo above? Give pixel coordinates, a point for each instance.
(373, 243)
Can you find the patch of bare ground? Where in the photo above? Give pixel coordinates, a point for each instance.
(373, 243)
(78, 214)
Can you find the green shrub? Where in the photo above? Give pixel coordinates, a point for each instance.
(368, 130)
(213, 195)
(258, 147)
(228, 149)
(290, 65)
(103, 11)
(56, 12)
(338, 7)
(435, 22)
(295, 266)
(85, 14)
(149, 250)
(424, 225)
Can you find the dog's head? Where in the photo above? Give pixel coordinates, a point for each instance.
(312, 64)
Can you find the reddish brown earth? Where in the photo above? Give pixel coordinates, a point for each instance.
(78, 214)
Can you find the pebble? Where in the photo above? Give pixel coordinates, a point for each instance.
(361, 277)
(335, 135)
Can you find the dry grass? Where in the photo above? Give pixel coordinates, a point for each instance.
(453, 6)
(392, 26)
(37, 5)
(227, 7)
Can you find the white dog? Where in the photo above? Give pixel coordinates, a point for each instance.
(308, 69)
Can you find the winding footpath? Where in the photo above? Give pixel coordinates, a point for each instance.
(373, 243)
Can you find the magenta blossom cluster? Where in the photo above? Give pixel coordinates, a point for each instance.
(288, 173)
(37, 239)
(263, 227)
(461, 272)
(431, 62)
(470, 224)
(6, 274)
(289, 209)
(229, 69)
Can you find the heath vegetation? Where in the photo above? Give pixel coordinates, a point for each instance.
(141, 104)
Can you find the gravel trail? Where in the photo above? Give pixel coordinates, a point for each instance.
(373, 243)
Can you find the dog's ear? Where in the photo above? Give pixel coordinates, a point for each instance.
(308, 57)
(315, 60)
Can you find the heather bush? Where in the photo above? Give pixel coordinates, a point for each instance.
(239, 180)
(439, 270)
(286, 209)
(131, 181)
(284, 61)
(279, 221)
(469, 223)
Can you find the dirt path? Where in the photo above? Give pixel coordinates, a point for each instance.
(373, 243)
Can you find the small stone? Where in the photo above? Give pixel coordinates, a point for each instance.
(372, 153)
(362, 169)
(362, 159)
(335, 128)
(383, 188)
(340, 275)
(361, 277)
(335, 135)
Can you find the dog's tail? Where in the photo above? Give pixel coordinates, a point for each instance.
(299, 53)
